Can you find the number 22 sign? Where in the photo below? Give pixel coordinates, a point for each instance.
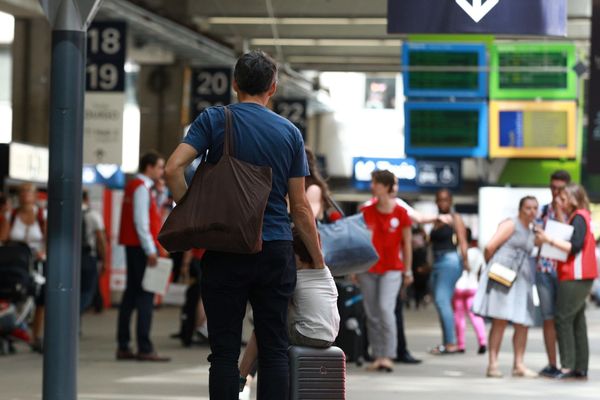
(105, 71)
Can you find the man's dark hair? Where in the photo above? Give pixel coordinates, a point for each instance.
(386, 178)
(300, 248)
(255, 72)
(561, 175)
(149, 159)
(85, 196)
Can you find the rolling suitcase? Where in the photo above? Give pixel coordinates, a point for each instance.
(317, 373)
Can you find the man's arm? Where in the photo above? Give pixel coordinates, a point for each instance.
(183, 156)
(407, 255)
(304, 220)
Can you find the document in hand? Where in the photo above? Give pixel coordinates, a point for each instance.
(556, 230)
(156, 279)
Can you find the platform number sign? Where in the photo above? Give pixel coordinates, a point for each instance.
(106, 43)
(294, 110)
(210, 87)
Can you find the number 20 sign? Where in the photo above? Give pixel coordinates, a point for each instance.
(106, 43)
(210, 87)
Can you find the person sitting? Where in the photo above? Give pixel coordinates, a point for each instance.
(313, 317)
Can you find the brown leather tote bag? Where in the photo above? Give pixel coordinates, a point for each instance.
(224, 206)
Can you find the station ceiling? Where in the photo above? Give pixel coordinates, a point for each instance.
(320, 35)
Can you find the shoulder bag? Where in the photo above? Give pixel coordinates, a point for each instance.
(224, 206)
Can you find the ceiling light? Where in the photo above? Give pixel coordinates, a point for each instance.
(327, 42)
(294, 21)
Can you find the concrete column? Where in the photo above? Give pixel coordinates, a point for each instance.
(160, 96)
(31, 81)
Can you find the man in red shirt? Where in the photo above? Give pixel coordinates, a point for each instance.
(391, 227)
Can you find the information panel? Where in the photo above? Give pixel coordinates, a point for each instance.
(444, 70)
(533, 70)
(209, 87)
(533, 129)
(446, 129)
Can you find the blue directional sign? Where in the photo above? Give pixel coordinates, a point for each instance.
(509, 17)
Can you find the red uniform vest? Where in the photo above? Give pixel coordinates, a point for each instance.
(128, 235)
(583, 265)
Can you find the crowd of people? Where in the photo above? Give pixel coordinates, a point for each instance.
(502, 284)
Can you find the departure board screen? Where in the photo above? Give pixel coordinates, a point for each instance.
(444, 70)
(530, 71)
(446, 129)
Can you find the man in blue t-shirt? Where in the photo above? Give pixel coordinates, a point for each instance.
(266, 279)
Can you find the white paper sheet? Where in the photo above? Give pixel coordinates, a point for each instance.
(156, 279)
(556, 230)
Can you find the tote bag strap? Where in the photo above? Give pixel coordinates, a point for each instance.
(228, 147)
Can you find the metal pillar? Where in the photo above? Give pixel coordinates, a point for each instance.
(69, 20)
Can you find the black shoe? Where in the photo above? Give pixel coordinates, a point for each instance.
(566, 376)
(407, 358)
(581, 375)
(482, 350)
(550, 371)
(176, 335)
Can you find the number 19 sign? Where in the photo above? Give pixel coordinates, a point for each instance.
(105, 93)
(106, 57)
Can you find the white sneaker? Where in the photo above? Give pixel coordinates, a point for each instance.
(245, 394)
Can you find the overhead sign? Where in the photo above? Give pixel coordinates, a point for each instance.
(105, 93)
(534, 129)
(412, 174)
(444, 70)
(509, 17)
(294, 110)
(209, 87)
(439, 129)
(106, 44)
(593, 135)
(533, 71)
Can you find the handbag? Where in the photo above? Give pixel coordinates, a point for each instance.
(502, 275)
(347, 245)
(224, 206)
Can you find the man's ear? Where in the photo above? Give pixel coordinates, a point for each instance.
(272, 89)
(236, 88)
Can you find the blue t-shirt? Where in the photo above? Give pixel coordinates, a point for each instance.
(261, 138)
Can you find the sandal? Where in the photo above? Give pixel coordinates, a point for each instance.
(443, 350)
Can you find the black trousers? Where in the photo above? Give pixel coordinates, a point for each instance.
(402, 350)
(229, 281)
(135, 298)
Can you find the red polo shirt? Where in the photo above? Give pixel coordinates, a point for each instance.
(387, 236)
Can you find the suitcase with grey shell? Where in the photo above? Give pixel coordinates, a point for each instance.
(317, 373)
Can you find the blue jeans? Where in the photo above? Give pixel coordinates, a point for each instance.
(447, 269)
(89, 280)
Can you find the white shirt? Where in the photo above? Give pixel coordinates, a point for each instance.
(469, 280)
(30, 234)
(313, 309)
(93, 224)
(141, 214)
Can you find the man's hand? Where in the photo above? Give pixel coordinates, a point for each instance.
(152, 260)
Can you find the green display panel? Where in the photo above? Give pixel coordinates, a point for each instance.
(533, 70)
(445, 80)
(537, 172)
(444, 128)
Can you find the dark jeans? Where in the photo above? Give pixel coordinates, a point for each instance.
(229, 281)
(136, 298)
(89, 280)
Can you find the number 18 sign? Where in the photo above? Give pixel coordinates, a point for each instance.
(105, 93)
(105, 71)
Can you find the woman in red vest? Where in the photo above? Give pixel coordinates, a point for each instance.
(575, 276)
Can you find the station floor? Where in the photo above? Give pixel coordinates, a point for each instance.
(186, 377)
